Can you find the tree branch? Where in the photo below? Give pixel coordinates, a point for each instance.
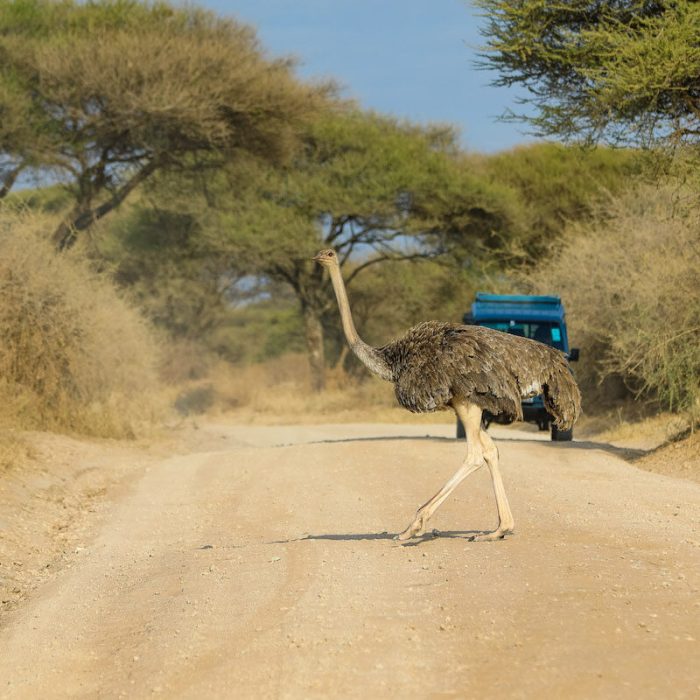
(336, 228)
(9, 180)
(385, 258)
(287, 276)
(81, 218)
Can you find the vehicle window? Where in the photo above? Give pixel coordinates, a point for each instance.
(546, 332)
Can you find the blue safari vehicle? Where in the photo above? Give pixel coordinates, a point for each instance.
(540, 318)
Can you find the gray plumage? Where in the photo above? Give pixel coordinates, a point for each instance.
(435, 364)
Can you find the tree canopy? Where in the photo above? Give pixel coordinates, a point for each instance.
(243, 172)
(202, 249)
(371, 187)
(623, 70)
(374, 188)
(105, 93)
(555, 184)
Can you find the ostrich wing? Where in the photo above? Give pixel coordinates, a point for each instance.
(435, 363)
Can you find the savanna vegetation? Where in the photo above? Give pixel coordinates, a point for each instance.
(164, 184)
(635, 311)
(624, 73)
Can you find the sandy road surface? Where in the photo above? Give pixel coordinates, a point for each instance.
(263, 569)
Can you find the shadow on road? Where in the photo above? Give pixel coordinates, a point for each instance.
(627, 453)
(466, 535)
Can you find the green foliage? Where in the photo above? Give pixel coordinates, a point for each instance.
(624, 70)
(370, 187)
(108, 92)
(356, 183)
(159, 255)
(555, 185)
(258, 332)
(390, 298)
(30, 19)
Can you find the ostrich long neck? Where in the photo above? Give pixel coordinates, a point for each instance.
(369, 356)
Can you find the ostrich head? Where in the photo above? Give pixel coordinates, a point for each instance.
(327, 258)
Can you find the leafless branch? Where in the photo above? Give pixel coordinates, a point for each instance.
(386, 258)
(9, 180)
(336, 228)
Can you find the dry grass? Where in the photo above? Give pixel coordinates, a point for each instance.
(278, 391)
(74, 356)
(628, 426)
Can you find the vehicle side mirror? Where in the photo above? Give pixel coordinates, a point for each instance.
(573, 355)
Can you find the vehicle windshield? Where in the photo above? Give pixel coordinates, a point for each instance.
(546, 332)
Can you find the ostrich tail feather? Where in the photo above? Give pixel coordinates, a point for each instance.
(562, 397)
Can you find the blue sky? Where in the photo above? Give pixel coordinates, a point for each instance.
(411, 58)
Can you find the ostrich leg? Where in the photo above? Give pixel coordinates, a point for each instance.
(505, 517)
(470, 415)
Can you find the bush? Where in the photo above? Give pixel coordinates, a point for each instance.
(630, 280)
(73, 355)
(556, 184)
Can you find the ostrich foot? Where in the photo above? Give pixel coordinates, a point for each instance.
(415, 529)
(409, 533)
(492, 536)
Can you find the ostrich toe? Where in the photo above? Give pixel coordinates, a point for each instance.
(491, 536)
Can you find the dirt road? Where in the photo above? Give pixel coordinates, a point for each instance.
(265, 568)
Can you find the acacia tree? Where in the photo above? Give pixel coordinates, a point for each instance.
(106, 93)
(372, 188)
(625, 70)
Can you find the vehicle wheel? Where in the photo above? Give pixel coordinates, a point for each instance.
(562, 435)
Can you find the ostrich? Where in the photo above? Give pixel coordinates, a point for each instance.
(437, 366)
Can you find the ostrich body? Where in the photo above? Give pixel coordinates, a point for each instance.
(468, 369)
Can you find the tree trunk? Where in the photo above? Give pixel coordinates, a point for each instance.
(314, 345)
(340, 362)
(67, 232)
(84, 215)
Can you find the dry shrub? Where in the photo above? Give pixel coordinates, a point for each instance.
(73, 356)
(631, 281)
(184, 360)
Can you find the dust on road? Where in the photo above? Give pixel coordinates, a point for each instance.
(267, 568)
